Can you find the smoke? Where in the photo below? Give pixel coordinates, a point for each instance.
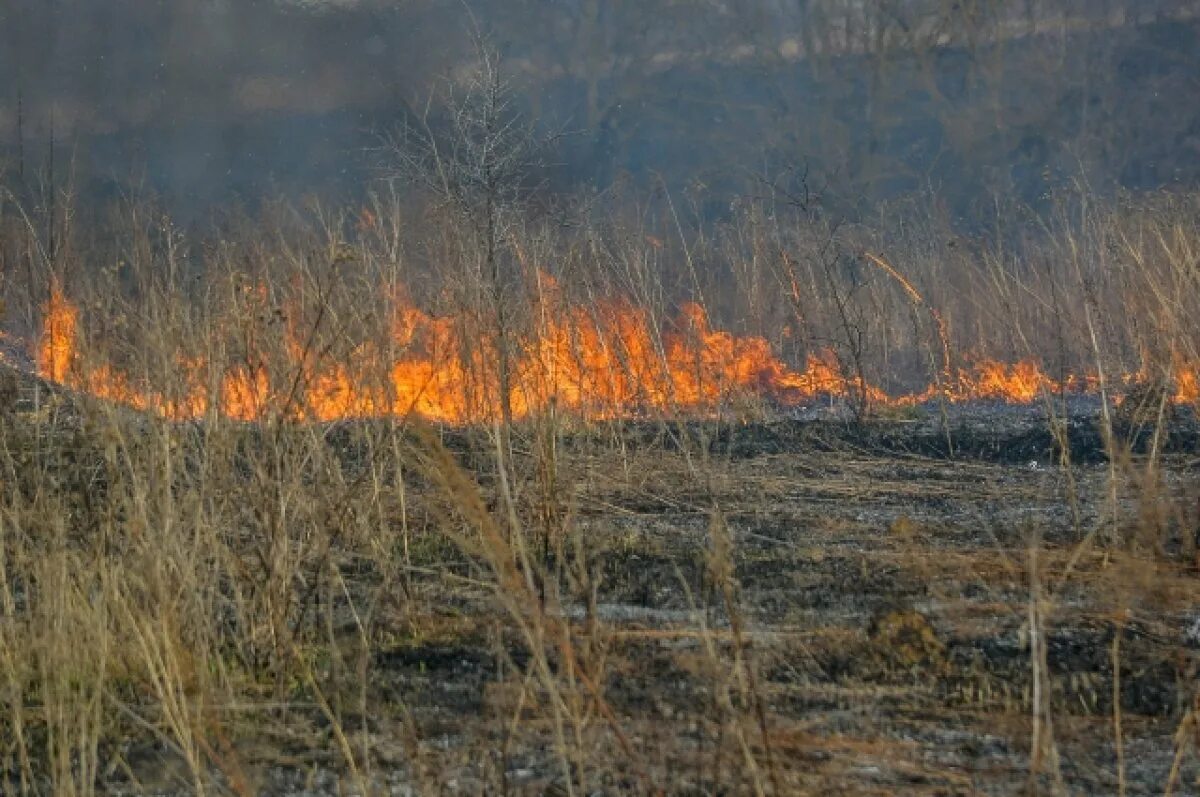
(210, 100)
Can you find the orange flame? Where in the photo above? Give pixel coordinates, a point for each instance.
(57, 347)
(610, 360)
(1187, 386)
(1020, 382)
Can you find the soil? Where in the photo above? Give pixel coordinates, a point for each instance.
(883, 585)
(883, 577)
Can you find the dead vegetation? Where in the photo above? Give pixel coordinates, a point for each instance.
(287, 606)
(922, 599)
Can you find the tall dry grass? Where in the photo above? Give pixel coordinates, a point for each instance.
(176, 590)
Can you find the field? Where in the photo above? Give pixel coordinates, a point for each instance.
(454, 493)
(669, 399)
(921, 604)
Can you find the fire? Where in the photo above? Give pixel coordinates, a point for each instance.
(609, 360)
(1187, 386)
(1020, 382)
(57, 348)
(245, 394)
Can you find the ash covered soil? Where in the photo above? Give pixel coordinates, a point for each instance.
(883, 578)
(882, 583)
(868, 632)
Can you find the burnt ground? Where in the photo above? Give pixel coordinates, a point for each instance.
(879, 594)
(883, 583)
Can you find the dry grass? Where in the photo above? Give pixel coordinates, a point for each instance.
(184, 606)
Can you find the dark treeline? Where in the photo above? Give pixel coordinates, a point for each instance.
(206, 101)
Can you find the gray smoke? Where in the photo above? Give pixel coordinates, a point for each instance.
(210, 100)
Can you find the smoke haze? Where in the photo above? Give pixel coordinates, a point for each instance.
(213, 100)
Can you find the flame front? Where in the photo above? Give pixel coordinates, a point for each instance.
(610, 360)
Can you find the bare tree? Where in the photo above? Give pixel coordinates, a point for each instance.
(477, 161)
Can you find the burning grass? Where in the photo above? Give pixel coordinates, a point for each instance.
(604, 363)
